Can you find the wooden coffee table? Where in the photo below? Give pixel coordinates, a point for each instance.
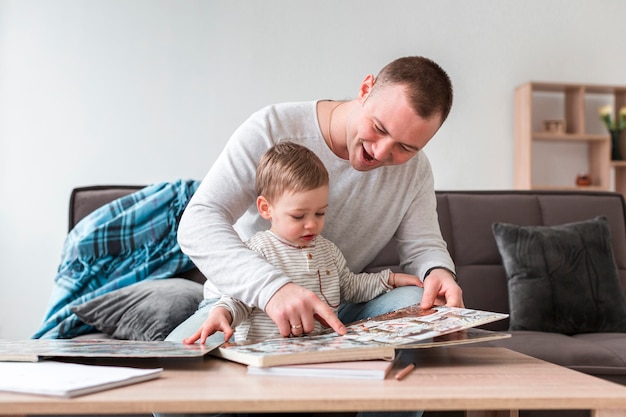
(483, 381)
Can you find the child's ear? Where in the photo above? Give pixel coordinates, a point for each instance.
(263, 206)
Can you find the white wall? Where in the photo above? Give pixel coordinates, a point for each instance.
(135, 92)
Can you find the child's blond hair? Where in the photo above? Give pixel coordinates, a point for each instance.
(288, 166)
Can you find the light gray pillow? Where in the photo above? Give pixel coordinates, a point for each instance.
(148, 310)
(562, 279)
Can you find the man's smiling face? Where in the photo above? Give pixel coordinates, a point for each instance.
(384, 129)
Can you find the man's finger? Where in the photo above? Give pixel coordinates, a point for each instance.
(428, 298)
(308, 323)
(284, 327)
(329, 318)
(321, 320)
(453, 301)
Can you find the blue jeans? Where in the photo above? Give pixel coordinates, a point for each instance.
(390, 301)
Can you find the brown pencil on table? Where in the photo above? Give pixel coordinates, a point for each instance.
(405, 371)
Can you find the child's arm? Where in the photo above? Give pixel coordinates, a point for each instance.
(219, 319)
(226, 314)
(399, 279)
(357, 288)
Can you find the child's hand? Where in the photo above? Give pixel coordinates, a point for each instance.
(219, 320)
(397, 279)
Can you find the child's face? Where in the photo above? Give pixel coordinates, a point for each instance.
(299, 217)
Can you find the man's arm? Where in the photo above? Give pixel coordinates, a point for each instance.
(207, 236)
(422, 249)
(206, 232)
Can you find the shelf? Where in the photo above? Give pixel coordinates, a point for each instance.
(551, 160)
(548, 87)
(574, 137)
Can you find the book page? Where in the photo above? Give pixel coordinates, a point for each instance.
(412, 325)
(32, 350)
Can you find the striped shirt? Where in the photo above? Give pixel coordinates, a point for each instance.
(319, 267)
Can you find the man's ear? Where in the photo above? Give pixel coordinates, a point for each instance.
(263, 206)
(366, 87)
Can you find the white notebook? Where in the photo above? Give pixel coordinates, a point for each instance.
(68, 379)
(370, 369)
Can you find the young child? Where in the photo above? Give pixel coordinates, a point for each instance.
(292, 189)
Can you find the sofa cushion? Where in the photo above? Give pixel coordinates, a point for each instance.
(148, 310)
(562, 278)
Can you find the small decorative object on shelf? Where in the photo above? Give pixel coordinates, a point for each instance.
(616, 152)
(583, 179)
(614, 127)
(554, 126)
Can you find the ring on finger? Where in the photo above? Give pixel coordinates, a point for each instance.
(297, 326)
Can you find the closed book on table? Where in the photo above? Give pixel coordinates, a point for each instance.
(373, 369)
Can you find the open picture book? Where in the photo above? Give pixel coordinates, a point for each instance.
(374, 338)
(34, 350)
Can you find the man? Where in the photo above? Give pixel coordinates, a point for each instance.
(381, 188)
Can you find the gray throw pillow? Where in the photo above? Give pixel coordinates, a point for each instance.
(562, 279)
(148, 310)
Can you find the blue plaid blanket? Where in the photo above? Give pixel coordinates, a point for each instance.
(126, 241)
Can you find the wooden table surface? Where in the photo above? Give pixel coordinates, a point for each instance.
(450, 378)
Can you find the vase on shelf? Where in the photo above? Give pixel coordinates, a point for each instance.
(616, 152)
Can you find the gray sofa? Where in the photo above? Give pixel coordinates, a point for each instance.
(467, 219)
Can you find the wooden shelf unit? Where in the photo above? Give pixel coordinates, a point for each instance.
(576, 113)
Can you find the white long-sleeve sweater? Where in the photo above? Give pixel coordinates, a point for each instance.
(366, 209)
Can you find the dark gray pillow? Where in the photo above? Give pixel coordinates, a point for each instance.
(562, 279)
(148, 310)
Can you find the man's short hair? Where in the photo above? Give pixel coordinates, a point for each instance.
(429, 88)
